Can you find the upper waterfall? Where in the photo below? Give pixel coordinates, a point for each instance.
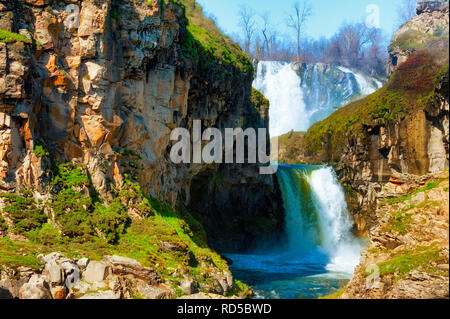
(302, 94)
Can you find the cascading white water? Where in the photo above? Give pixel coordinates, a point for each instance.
(317, 216)
(319, 252)
(302, 94)
(281, 85)
(338, 241)
(365, 86)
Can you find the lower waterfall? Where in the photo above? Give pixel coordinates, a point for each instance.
(319, 251)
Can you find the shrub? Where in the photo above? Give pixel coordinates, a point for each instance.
(71, 211)
(40, 151)
(26, 216)
(110, 220)
(46, 235)
(69, 176)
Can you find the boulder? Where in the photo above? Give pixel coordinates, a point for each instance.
(95, 271)
(82, 263)
(36, 288)
(152, 292)
(53, 273)
(127, 266)
(11, 286)
(5, 293)
(189, 286)
(107, 294)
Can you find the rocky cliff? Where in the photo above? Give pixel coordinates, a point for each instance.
(428, 29)
(400, 130)
(407, 256)
(89, 93)
(391, 153)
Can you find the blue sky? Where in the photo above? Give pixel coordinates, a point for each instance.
(328, 14)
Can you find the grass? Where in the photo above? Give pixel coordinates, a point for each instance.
(81, 224)
(205, 42)
(13, 254)
(410, 260)
(10, 37)
(413, 40)
(400, 223)
(428, 186)
(335, 295)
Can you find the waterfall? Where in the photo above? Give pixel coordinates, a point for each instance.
(318, 253)
(281, 85)
(302, 94)
(317, 218)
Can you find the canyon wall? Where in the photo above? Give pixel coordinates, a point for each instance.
(101, 84)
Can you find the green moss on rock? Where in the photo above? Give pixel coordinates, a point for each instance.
(10, 37)
(204, 41)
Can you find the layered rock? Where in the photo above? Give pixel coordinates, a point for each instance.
(102, 84)
(114, 277)
(407, 256)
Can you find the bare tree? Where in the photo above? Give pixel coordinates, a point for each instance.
(247, 22)
(302, 11)
(406, 11)
(266, 32)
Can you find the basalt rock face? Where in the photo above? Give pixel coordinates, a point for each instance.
(225, 200)
(102, 84)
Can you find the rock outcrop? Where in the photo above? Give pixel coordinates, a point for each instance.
(407, 256)
(427, 29)
(114, 277)
(102, 84)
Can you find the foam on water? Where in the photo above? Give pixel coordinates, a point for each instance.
(319, 251)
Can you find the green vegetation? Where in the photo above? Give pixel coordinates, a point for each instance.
(292, 147)
(400, 223)
(110, 220)
(80, 224)
(114, 15)
(9, 37)
(3, 224)
(428, 186)
(259, 100)
(40, 151)
(14, 254)
(71, 213)
(335, 295)
(409, 260)
(408, 86)
(239, 289)
(67, 176)
(21, 209)
(46, 235)
(413, 40)
(204, 41)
